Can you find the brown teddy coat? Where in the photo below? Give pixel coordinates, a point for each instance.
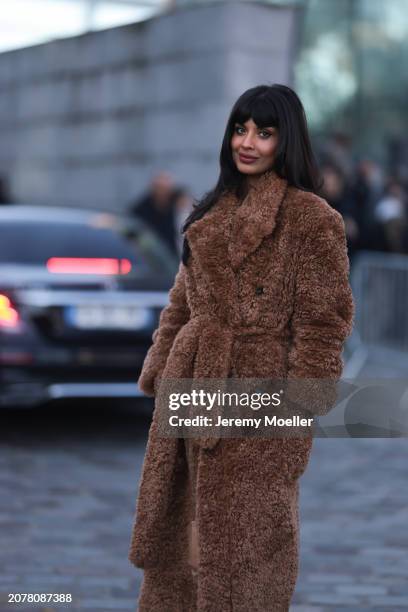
(265, 294)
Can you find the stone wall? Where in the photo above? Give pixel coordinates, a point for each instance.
(86, 120)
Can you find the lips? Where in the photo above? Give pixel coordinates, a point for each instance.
(246, 159)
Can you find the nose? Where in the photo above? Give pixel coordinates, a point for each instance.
(247, 142)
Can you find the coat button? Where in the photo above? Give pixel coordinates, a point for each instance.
(259, 290)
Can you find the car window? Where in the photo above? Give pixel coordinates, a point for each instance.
(104, 236)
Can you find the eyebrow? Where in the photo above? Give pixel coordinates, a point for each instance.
(270, 127)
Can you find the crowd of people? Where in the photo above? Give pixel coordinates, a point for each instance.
(372, 202)
(374, 206)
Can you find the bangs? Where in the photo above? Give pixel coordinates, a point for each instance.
(262, 114)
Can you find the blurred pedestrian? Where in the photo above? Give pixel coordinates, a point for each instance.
(337, 193)
(391, 214)
(157, 209)
(365, 191)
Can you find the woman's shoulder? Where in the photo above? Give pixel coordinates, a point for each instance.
(307, 208)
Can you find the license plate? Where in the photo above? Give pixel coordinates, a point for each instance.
(96, 316)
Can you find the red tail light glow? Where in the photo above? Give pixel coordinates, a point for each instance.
(88, 265)
(8, 315)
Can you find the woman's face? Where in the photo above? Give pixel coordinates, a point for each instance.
(253, 148)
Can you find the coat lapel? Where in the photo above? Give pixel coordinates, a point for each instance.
(256, 217)
(208, 240)
(227, 234)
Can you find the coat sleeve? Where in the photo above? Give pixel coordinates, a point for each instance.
(172, 318)
(323, 313)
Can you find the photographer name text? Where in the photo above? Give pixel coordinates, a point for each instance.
(274, 421)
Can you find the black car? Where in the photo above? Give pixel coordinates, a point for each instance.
(81, 292)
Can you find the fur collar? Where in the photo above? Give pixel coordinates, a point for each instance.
(229, 232)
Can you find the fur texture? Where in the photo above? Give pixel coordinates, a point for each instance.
(292, 244)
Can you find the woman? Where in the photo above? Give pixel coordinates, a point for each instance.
(262, 291)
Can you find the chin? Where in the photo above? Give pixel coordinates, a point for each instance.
(244, 169)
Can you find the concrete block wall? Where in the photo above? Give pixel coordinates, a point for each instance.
(85, 121)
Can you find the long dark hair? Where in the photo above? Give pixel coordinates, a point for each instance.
(268, 106)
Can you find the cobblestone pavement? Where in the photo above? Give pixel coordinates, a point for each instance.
(69, 478)
(354, 536)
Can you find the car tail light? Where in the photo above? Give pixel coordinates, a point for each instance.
(9, 317)
(88, 265)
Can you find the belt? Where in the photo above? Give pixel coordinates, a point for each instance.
(217, 336)
(206, 341)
